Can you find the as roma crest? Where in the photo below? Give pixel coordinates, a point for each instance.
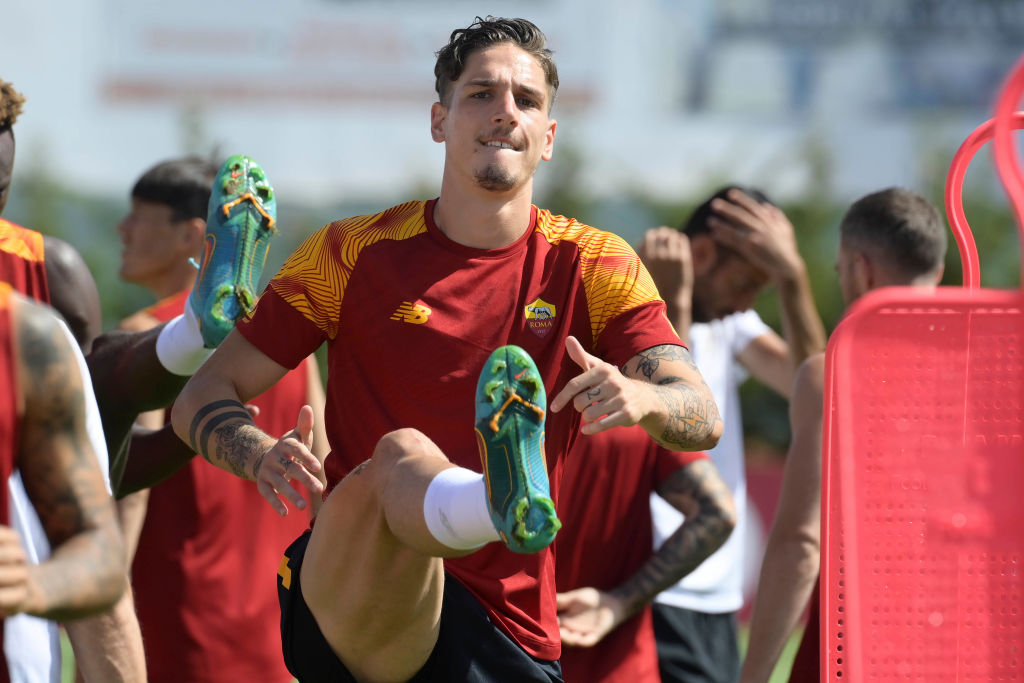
(540, 317)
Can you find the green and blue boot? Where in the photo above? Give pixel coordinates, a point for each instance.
(510, 410)
(241, 221)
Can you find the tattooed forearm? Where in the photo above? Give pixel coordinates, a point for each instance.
(223, 432)
(648, 362)
(62, 478)
(688, 417)
(700, 493)
(691, 416)
(203, 412)
(237, 442)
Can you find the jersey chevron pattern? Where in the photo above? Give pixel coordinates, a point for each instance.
(317, 291)
(611, 272)
(22, 261)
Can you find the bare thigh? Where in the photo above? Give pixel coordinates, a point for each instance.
(370, 575)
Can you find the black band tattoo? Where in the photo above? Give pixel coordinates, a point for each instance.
(203, 412)
(214, 422)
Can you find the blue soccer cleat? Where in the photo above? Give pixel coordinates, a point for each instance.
(240, 223)
(510, 409)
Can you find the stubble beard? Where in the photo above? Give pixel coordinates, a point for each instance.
(495, 178)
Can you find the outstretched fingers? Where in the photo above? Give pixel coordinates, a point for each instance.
(289, 463)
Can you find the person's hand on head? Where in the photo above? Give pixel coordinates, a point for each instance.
(665, 253)
(289, 461)
(761, 233)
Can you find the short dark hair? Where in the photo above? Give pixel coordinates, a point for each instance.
(697, 223)
(182, 184)
(483, 33)
(901, 226)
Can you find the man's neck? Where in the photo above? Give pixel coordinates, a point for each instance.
(171, 283)
(481, 219)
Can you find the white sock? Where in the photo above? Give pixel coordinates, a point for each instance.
(180, 345)
(456, 511)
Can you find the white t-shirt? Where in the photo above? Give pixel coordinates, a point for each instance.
(716, 586)
(31, 644)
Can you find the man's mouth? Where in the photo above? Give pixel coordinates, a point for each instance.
(500, 144)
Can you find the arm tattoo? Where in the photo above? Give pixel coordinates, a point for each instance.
(203, 412)
(651, 359)
(690, 410)
(229, 438)
(236, 441)
(62, 476)
(710, 517)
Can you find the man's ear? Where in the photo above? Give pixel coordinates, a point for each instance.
(704, 253)
(192, 235)
(865, 277)
(549, 141)
(438, 114)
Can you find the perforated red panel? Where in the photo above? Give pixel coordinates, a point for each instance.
(924, 487)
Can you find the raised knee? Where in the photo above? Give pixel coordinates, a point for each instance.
(400, 444)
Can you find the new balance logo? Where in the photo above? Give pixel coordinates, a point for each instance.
(409, 312)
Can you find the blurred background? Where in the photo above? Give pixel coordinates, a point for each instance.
(816, 102)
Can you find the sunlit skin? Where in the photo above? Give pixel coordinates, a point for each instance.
(156, 248)
(728, 285)
(501, 98)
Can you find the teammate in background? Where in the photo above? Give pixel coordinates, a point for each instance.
(605, 570)
(710, 272)
(130, 372)
(400, 576)
(210, 544)
(891, 237)
(108, 646)
(43, 434)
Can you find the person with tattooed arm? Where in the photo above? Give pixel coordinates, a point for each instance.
(605, 570)
(710, 271)
(401, 575)
(43, 434)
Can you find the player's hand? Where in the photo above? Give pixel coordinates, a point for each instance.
(586, 615)
(760, 232)
(14, 573)
(604, 396)
(289, 462)
(666, 255)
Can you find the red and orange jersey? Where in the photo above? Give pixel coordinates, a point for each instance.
(409, 317)
(22, 261)
(8, 417)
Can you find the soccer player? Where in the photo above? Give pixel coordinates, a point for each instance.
(605, 570)
(710, 272)
(43, 434)
(400, 575)
(891, 237)
(209, 541)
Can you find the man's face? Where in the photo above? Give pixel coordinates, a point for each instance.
(6, 165)
(728, 286)
(495, 126)
(153, 243)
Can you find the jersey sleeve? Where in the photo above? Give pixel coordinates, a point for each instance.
(280, 331)
(627, 314)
